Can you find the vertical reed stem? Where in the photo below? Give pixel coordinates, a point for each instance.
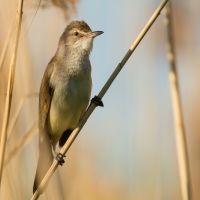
(10, 89)
(180, 135)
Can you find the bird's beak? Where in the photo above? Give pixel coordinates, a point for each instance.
(92, 34)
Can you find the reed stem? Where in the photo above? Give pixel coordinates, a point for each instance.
(180, 135)
(10, 89)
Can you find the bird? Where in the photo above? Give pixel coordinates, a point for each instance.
(65, 92)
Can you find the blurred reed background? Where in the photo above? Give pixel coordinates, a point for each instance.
(127, 149)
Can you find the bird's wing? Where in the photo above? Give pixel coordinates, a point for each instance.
(46, 94)
(45, 151)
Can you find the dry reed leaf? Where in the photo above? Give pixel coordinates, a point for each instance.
(21, 142)
(68, 7)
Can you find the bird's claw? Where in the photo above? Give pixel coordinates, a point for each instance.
(60, 158)
(97, 101)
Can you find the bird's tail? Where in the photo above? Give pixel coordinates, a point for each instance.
(44, 163)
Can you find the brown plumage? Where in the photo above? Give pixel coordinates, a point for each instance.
(64, 93)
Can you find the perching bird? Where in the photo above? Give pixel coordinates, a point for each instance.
(64, 93)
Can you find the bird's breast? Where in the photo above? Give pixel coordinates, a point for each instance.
(69, 102)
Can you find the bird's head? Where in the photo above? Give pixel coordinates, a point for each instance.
(79, 35)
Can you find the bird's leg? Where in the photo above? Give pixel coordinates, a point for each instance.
(58, 156)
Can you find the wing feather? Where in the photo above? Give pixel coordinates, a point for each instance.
(45, 151)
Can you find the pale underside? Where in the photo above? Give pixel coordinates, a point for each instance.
(72, 92)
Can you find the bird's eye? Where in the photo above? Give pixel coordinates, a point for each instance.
(75, 33)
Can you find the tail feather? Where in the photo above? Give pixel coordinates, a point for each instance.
(43, 166)
(44, 162)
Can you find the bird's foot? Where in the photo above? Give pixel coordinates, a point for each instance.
(97, 101)
(60, 158)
